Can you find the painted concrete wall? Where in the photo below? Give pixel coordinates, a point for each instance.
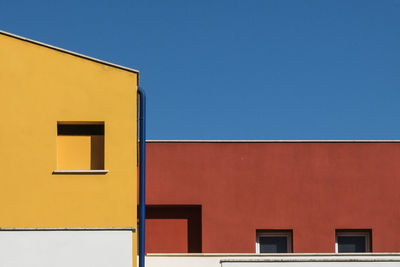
(41, 86)
(66, 248)
(312, 188)
(250, 260)
(177, 228)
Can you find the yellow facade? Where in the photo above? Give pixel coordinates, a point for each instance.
(73, 152)
(41, 86)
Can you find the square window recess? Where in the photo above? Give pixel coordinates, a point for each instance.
(80, 146)
(353, 241)
(274, 241)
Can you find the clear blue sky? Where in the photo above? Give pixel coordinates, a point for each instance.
(266, 69)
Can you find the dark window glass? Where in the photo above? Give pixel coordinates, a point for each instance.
(351, 243)
(273, 244)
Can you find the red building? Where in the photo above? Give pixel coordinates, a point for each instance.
(299, 196)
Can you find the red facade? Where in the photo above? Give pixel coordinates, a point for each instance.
(213, 196)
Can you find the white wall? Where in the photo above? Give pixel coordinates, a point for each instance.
(99, 248)
(288, 260)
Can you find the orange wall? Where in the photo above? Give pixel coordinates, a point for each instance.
(312, 188)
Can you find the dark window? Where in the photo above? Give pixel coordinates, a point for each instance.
(353, 241)
(274, 241)
(273, 244)
(351, 244)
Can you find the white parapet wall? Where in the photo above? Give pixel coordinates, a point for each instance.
(66, 248)
(273, 260)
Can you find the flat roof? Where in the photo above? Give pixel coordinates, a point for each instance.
(273, 141)
(69, 52)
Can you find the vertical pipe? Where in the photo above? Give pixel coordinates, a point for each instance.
(142, 174)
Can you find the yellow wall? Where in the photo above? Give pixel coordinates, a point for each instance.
(38, 87)
(73, 152)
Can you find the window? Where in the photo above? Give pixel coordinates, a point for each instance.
(273, 241)
(80, 145)
(348, 241)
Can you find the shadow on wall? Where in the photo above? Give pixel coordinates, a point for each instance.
(173, 229)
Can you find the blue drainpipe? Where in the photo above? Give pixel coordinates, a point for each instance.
(142, 174)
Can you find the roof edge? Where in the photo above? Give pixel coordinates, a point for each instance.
(276, 255)
(68, 52)
(272, 141)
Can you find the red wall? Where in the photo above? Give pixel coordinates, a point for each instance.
(312, 188)
(158, 241)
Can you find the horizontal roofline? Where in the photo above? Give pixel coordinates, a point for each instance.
(273, 141)
(278, 255)
(69, 52)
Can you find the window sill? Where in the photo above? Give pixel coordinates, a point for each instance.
(80, 171)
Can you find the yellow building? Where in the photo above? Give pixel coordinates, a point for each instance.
(68, 144)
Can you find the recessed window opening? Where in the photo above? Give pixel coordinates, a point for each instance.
(80, 145)
(274, 241)
(353, 241)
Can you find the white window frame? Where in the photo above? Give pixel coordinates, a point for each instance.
(272, 233)
(365, 233)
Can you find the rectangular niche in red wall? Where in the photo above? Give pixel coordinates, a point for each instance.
(166, 236)
(173, 228)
